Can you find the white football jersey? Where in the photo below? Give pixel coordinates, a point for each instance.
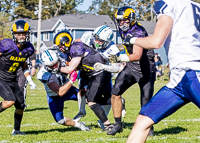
(112, 49)
(47, 77)
(183, 43)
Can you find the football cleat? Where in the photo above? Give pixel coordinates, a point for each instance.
(123, 108)
(83, 127)
(107, 127)
(17, 132)
(115, 128)
(100, 124)
(79, 116)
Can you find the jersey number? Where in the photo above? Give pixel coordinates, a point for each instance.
(13, 67)
(196, 11)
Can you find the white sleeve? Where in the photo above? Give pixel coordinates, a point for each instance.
(112, 67)
(112, 49)
(164, 7)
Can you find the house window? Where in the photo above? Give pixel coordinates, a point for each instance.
(45, 36)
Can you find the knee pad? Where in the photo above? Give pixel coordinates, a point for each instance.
(62, 121)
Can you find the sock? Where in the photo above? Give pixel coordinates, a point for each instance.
(17, 120)
(118, 120)
(81, 103)
(77, 124)
(100, 113)
(1, 108)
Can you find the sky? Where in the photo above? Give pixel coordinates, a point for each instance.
(85, 5)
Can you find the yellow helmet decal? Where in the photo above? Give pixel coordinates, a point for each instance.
(57, 41)
(127, 12)
(26, 27)
(14, 27)
(116, 14)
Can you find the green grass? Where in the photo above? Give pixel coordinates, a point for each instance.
(40, 127)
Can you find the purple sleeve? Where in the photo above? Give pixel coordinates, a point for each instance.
(30, 48)
(77, 50)
(6, 44)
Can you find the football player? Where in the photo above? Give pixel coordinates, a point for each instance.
(101, 40)
(63, 41)
(179, 30)
(14, 53)
(58, 88)
(140, 66)
(84, 57)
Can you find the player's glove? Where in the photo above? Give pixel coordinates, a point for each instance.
(129, 39)
(73, 77)
(31, 83)
(114, 58)
(120, 58)
(98, 66)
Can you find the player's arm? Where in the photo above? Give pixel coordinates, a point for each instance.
(59, 90)
(111, 67)
(77, 40)
(63, 89)
(135, 56)
(28, 76)
(72, 65)
(161, 31)
(33, 69)
(33, 63)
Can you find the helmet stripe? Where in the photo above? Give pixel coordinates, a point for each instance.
(98, 32)
(14, 28)
(49, 55)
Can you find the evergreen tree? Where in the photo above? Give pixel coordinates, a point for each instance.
(4, 26)
(106, 7)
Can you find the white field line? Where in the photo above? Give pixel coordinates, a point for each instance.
(37, 125)
(182, 120)
(105, 140)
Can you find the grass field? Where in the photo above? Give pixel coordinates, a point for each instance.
(40, 127)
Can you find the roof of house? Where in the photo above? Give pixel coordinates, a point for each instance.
(83, 21)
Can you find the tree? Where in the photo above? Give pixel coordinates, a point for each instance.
(4, 26)
(105, 7)
(25, 9)
(53, 8)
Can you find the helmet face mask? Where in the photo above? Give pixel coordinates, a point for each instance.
(21, 32)
(125, 18)
(50, 61)
(63, 40)
(103, 35)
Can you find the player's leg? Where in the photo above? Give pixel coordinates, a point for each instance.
(22, 82)
(83, 82)
(191, 86)
(163, 104)
(123, 81)
(19, 105)
(56, 105)
(7, 95)
(146, 85)
(94, 94)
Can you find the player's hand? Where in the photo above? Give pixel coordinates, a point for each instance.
(127, 39)
(32, 85)
(114, 58)
(98, 66)
(73, 76)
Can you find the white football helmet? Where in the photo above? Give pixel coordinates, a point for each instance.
(103, 35)
(50, 60)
